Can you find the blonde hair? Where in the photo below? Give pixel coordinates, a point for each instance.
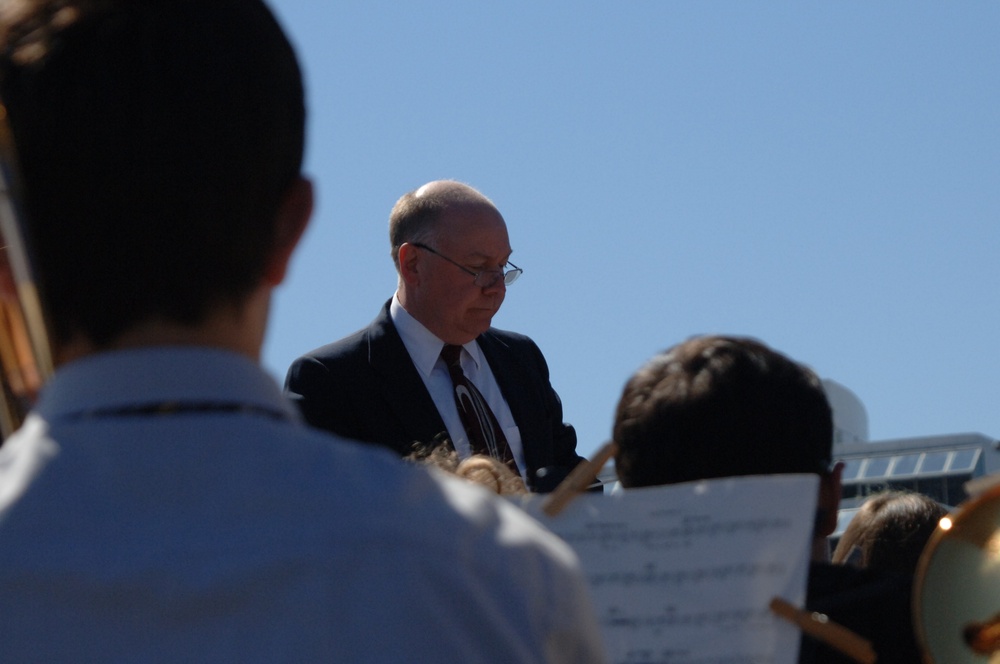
(479, 468)
(492, 474)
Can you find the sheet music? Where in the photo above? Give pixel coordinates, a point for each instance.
(684, 574)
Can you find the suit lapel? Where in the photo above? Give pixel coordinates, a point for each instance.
(511, 379)
(402, 388)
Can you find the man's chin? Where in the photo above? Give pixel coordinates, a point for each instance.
(477, 327)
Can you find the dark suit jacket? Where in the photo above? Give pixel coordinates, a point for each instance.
(872, 604)
(365, 387)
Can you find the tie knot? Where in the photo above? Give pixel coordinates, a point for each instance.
(452, 355)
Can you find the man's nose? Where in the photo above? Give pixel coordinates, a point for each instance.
(498, 286)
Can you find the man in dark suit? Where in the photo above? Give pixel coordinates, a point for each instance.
(388, 384)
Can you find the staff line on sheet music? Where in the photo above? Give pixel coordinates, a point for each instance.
(675, 656)
(722, 619)
(650, 575)
(610, 534)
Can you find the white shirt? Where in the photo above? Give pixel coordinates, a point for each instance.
(225, 530)
(425, 351)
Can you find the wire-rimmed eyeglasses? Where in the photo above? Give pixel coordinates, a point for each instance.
(483, 278)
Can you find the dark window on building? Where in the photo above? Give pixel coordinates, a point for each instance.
(877, 467)
(906, 465)
(934, 487)
(956, 489)
(934, 462)
(964, 460)
(903, 485)
(851, 469)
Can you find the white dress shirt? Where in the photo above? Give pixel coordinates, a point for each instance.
(425, 351)
(167, 505)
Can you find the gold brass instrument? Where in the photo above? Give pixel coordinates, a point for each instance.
(957, 589)
(25, 351)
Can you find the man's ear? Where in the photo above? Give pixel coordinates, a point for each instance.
(409, 263)
(829, 500)
(293, 217)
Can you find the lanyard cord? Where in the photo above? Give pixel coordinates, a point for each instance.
(162, 408)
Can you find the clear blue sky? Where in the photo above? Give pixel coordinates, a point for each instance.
(822, 176)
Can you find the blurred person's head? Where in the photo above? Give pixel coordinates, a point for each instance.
(479, 468)
(160, 144)
(720, 406)
(889, 532)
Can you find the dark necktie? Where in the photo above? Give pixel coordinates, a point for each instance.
(481, 426)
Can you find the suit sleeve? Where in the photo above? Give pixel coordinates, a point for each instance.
(309, 387)
(336, 390)
(563, 436)
(347, 408)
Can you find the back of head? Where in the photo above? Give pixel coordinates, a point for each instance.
(157, 139)
(889, 532)
(719, 407)
(479, 468)
(492, 474)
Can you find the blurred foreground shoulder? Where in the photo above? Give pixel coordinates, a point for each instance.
(500, 586)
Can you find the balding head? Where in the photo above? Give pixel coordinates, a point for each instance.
(452, 192)
(444, 235)
(416, 214)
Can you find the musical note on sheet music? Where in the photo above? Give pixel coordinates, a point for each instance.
(685, 573)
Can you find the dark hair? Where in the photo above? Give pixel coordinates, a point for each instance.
(157, 139)
(889, 531)
(719, 407)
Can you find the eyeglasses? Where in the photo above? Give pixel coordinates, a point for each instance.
(483, 278)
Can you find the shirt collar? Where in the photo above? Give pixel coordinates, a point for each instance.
(422, 345)
(138, 377)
